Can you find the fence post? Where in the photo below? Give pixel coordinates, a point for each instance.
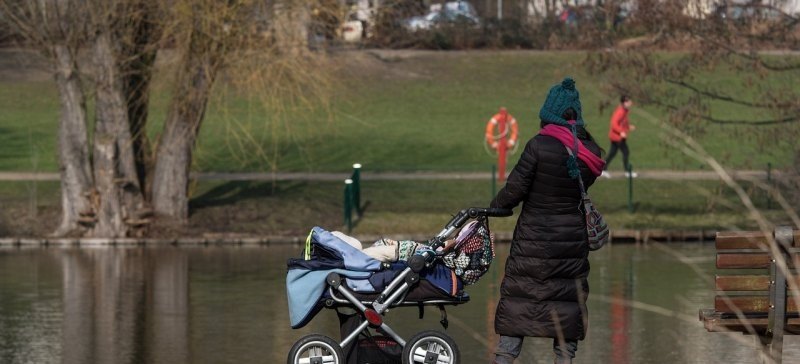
(348, 204)
(630, 188)
(356, 177)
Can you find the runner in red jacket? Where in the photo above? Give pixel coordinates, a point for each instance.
(618, 131)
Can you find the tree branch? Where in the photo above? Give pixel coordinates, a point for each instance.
(752, 56)
(726, 98)
(786, 120)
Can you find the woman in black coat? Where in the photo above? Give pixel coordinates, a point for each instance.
(544, 289)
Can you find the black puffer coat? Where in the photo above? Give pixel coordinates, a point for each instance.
(544, 290)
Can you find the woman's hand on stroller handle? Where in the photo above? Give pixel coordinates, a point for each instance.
(494, 212)
(472, 213)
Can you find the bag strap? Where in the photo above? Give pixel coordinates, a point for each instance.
(580, 179)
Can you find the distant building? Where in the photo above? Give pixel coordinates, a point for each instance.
(363, 10)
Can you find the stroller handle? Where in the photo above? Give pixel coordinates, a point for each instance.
(492, 212)
(472, 213)
(418, 262)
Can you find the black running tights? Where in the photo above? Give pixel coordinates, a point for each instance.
(622, 146)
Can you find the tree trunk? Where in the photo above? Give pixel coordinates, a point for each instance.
(611, 14)
(116, 178)
(108, 212)
(136, 85)
(171, 174)
(290, 25)
(72, 142)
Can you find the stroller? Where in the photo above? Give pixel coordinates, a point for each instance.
(333, 275)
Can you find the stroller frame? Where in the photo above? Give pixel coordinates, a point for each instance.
(393, 295)
(378, 307)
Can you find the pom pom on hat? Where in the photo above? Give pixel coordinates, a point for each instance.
(561, 97)
(568, 84)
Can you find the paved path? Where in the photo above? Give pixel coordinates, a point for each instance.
(667, 175)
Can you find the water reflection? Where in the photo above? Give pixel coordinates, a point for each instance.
(125, 306)
(228, 305)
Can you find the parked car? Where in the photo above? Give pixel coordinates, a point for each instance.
(451, 12)
(749, 12)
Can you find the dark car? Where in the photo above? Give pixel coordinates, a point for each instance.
(589, 14)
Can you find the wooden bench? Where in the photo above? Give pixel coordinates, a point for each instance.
(754, 295)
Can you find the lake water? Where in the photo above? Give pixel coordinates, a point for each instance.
(228, 305)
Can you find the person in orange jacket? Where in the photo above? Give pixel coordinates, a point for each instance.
(618, 131)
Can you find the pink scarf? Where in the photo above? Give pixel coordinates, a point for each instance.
(564, 135)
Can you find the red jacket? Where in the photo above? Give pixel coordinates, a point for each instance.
(619, 124)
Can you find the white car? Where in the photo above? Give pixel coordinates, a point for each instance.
(449, 12)
(423, 22)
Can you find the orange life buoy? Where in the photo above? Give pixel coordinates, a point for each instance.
(511, 125)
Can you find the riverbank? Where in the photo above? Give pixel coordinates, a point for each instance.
(663, 175)
(617, 236)
(263, 212)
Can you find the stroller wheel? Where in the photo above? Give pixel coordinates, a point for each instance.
(316, 349)
(431, 347)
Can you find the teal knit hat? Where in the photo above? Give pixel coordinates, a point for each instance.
(561, 97)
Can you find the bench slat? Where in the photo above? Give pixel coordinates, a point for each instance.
(713, 322)
(726, 240)
(742, 283)
(748, 260)
(749, 304)
(747, 283)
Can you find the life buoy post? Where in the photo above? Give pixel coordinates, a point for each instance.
(501, 135)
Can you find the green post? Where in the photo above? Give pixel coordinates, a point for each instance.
(630, 188)
(348, 204)
(769, 184)
(357, 188)
(494, 181)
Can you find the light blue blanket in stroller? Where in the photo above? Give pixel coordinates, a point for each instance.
(305, 280)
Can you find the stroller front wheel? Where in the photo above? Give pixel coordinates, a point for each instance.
(316, 349)
(431, 347)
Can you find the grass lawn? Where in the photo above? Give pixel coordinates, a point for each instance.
(426, 111)
(393, 207)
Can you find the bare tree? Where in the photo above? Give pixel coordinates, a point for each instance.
(50, 27)
(115, 174)
(202, 57)
(261, 59)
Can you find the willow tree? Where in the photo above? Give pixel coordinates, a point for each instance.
(116, 183)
